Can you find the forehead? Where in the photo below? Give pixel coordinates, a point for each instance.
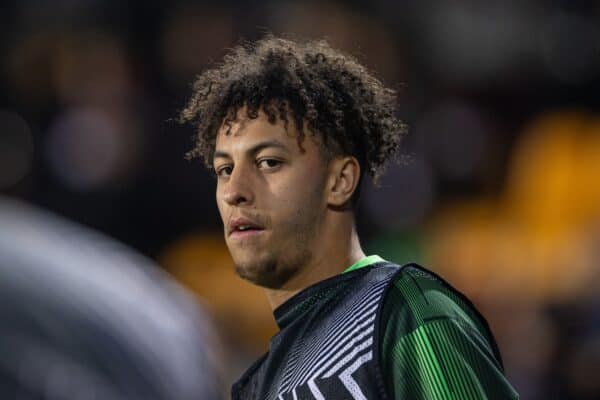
(243, 126)
(245, 132)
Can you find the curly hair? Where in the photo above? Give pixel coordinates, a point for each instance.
(309, 82)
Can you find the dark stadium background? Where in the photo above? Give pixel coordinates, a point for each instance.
(499, 190)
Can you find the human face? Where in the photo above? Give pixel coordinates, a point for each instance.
(271, 197)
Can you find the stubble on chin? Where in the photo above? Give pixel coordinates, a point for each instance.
(272, 273)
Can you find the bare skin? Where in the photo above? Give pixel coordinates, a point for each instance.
(285, 210)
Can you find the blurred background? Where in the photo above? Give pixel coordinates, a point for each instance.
(500, 194)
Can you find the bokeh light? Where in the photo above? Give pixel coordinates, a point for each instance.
(455, 138)
(403, 196)
(89, 149)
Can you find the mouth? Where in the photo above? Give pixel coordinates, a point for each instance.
(243, 228)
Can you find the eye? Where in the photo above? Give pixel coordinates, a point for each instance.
(268, 163)
(223, 171)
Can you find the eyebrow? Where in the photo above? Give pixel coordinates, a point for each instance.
(255, 149)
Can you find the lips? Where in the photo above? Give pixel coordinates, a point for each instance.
(243, 227)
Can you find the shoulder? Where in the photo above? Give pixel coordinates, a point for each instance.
(426, 296)
(416, 297)
(434, 343)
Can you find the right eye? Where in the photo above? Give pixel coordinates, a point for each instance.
(224, 171)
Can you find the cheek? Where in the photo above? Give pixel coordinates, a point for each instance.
(300, 197)
(221, 205)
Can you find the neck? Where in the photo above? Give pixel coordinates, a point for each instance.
(331, 258)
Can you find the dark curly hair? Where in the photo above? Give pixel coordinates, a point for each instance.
(309, 82)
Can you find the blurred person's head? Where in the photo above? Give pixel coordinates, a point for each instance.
(83, 317)
(290, 129)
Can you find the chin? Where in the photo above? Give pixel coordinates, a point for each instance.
(267, 272)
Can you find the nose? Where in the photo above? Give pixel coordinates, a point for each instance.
(237, 190)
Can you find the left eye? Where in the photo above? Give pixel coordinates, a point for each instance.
(268, 163)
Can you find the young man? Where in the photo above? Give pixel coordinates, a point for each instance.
(290, 129)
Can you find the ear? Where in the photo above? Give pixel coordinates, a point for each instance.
(344, 174)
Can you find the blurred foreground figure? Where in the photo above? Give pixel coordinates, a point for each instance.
(83, 317)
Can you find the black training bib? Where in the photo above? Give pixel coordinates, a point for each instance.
(328, 345)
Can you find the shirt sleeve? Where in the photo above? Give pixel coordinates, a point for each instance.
(433, 349)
